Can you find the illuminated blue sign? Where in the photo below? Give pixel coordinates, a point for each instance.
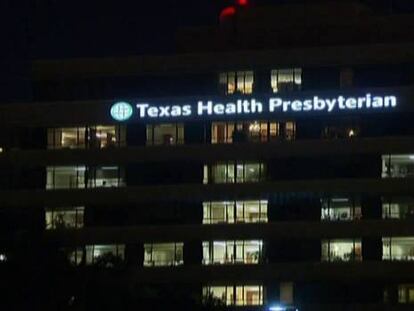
(270, 105)
(121, 111)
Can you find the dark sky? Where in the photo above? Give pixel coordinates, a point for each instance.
(38, 29)
(33, 29)
(76, 28)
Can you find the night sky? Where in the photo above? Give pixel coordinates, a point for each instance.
(33, 29)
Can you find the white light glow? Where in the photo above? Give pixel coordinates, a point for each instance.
(122, 111)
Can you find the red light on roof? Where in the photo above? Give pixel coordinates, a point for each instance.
(227, 13)
(242, 2)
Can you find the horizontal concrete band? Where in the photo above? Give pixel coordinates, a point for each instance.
(198, 192)
(213, 62)
(266, 231)
(209, 153)
(262, 274)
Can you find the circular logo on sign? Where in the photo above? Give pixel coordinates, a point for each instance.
(121, 111)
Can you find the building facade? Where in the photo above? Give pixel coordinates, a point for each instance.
(262, 170)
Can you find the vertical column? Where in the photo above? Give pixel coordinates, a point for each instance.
(193, 253)
(371, 210)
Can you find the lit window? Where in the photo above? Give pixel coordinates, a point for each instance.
(231, 212)
(286, 79)
(105, 255)
(163, 254)
(398, 248)
(252, 131)
(65, 177)
(399, 166)
(74, 255)
(222, 132)
(341, 250)
(237, 82)
(340, 209)
(165, 134)
(406, 293)
(64, 218)
(232, 252)
(398, 208)
(231, 172)
(99, 136)
(247, 295)
(290, 131)
(68, 137)
(105, 176)
(102, 136)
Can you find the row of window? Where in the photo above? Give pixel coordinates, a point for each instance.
(252, 131)
(235, 295)
(242, 252)
(99, 136)
(70, 177)
(234, 172)
(251, 211)
(225, 132)
(251, 295)
(242, 82)
(221, 133)
(66, 177)
(169, 134)
(230, 212)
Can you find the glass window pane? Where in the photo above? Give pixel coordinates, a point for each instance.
(398, 248)
(109, 252)
(102, 136)
(65, 177)
(290, 130)
(399, 166)
(219, 173)
(64, 218)
(163, 254)
(252, 211)
(106, 176)
(252, 172)
(341, 250)
(165, 134)
(240, 173)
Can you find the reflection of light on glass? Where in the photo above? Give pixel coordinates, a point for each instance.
(259, 243)
(411, 157)
(340, 200)
(254, 127)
